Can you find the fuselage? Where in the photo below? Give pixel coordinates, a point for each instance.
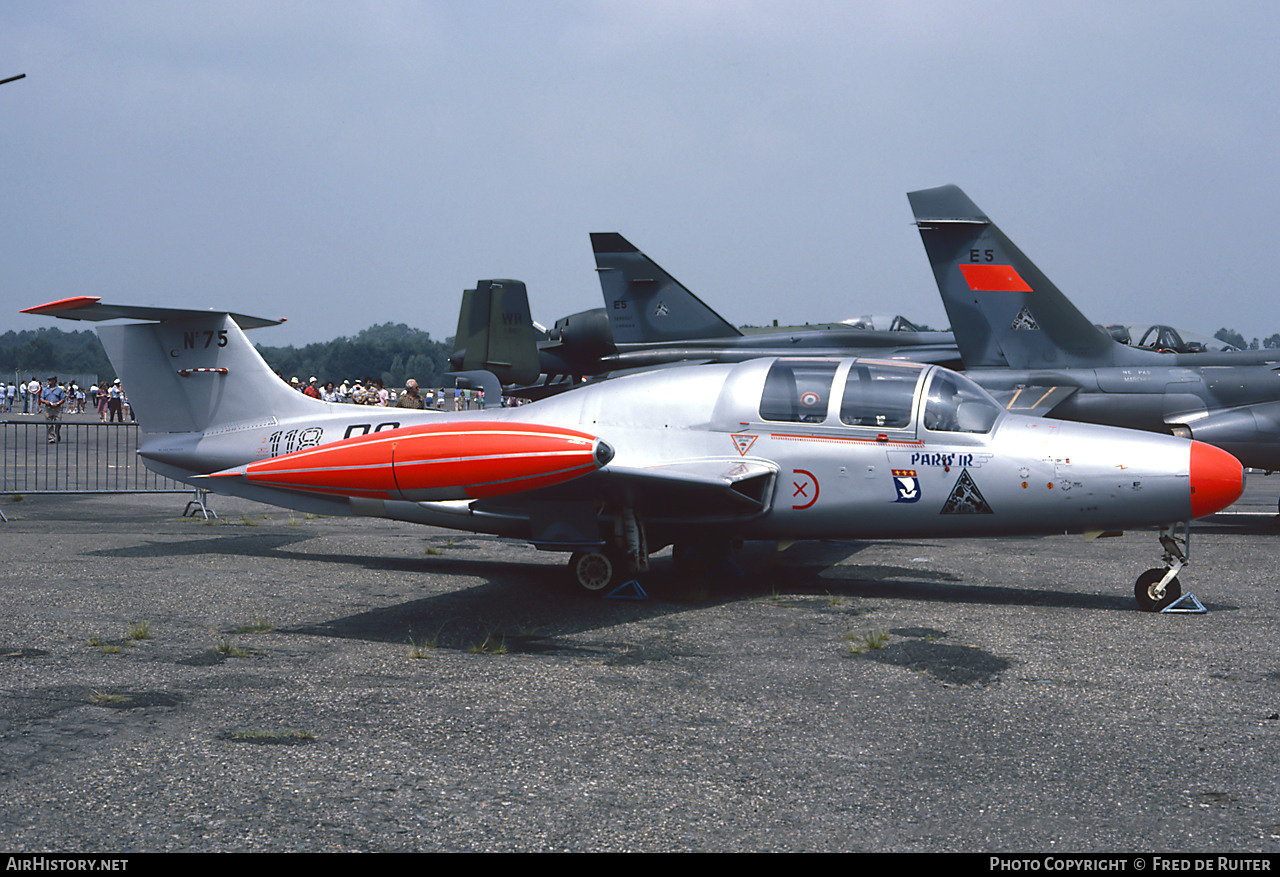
(858, 448)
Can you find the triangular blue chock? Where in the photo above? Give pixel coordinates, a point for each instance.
(628, 590)
(1187, 604)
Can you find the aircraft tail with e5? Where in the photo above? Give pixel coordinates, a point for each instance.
(1003, 310)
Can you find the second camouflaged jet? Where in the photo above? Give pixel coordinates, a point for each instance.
(1024, 342)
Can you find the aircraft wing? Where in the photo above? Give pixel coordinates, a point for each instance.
(705, 491)
(1034, 401)
(90, 307)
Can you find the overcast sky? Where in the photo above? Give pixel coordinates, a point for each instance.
(343, 164)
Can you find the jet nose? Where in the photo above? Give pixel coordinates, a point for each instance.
(1217, 479)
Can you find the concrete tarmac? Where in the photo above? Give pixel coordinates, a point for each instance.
(272, 681)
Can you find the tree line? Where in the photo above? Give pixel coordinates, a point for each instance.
(392, 352)
(1235, 339)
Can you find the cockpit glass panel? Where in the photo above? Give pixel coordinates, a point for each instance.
(956, 404)
(798, 391)
(878, 396)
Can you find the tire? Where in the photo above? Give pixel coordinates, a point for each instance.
(593, 570)
(1143, 590)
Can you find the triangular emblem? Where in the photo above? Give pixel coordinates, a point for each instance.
(1024, 320)
(743, 443)
(965, 498)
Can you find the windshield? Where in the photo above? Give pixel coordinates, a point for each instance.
(956, 404)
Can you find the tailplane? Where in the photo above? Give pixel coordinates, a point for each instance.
(1003, 310)
(646, 304)
(187, 371)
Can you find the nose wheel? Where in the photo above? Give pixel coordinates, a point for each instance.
(1154, 592)
(1157, 588)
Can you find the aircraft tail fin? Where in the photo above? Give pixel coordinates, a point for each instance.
(1003, 310)
(496, 332)
(187, 371)
(646, 304)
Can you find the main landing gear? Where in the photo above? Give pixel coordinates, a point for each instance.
(597, 570)
(625, 554)
(1158, 588)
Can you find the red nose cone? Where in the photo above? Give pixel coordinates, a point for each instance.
(1217, 479)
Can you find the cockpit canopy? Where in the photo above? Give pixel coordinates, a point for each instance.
(877, 395)
(1166, 339)
(883, 322)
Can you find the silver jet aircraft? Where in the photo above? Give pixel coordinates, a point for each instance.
(697, 457)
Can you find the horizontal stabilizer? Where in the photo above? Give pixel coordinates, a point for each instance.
(88, 307)
(945, 204)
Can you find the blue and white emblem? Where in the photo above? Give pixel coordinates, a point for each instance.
(907, 484)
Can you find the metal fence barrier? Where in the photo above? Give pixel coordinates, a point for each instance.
(88, 458)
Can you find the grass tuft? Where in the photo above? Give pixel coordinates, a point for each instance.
(230, 649)
(490, 646)
(260, 625)
(866, 641)
(256, 736)
(104, 697)
(420, 647)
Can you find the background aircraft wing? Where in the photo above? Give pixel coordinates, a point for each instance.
(1035, 401)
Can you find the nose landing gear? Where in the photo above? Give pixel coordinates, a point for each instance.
(1159, 587)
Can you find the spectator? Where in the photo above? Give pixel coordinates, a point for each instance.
(52, 398)
(410, 398)
(115, 403)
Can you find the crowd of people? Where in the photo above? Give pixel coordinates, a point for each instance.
(55, 399)
(371, 391)
(31, 397)
(112, 405)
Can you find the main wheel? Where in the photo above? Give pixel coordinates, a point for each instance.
(593, 570)
(1144, 590)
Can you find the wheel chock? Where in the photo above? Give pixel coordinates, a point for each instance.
(629, 590)
(1187, 604)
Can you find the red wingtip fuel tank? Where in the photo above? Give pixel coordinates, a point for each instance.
(1217, 479)
(435, 462)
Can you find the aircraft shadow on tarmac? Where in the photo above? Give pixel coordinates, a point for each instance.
(532, 608)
